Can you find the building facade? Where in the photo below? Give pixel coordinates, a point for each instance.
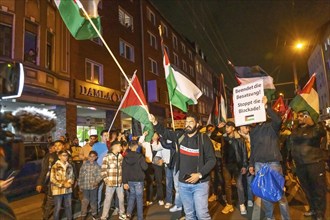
(79, 80)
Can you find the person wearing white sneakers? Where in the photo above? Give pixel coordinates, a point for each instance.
(234, 165)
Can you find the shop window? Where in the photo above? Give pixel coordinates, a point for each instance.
(6, 31)
(30, 42)
(153, 66)
(49, 52)
(152, 40)
(125, 19)
(126, 50)
(94, 72)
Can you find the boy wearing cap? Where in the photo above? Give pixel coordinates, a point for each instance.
(234, 165)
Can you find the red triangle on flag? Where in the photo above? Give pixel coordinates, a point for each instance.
(309, 85)
(130, 99)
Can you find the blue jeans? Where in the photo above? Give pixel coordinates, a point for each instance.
(177, 199)
(195, 200)
(283, 203)
(136, 193)
(249, 179)
(169, 184)
(89, 198)
(67, 205)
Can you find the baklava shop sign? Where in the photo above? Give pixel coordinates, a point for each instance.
(95, 93)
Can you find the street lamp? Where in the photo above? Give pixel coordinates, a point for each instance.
(298, 47)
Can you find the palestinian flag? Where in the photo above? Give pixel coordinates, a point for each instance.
(74, 19)
(307, 100)
(132, 107)
(181, 90)
(245, 75)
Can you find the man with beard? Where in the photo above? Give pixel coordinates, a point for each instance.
(43, 182)
(309, 160)
(195, 161)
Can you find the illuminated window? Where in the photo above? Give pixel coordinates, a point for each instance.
(94, 72)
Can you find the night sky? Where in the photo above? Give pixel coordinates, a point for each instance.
(250, 33)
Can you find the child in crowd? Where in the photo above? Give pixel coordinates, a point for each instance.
(134, 165)
(89, 178)
(62, 178)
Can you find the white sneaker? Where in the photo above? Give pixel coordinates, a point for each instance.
(161, 202)
(250, 203)
(168, 205)
(175, 209)
(242, 209)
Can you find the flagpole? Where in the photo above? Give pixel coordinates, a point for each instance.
(110, 52)
(173, 126)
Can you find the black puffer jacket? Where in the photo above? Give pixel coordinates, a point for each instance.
(134, 165)
(305, 144)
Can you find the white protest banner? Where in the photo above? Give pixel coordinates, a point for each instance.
(248, 106)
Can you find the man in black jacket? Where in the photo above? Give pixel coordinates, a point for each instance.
(195, 161)
(265, 149)
(234, 165)
(309, 160)
(43, 183)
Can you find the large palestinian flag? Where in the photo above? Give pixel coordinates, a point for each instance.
(245, 75)
(307, 100)
(132, 106)
(78, 25)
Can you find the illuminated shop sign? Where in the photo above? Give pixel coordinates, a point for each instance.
(94, 93)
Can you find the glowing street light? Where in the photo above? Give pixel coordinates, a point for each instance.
(299, 46)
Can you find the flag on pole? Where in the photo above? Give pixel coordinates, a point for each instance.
(279, 106)
(307, 100)
(132, 107)
(223, 100)
(215, 113)
(181, 90)
(78, 25)
(245, 75)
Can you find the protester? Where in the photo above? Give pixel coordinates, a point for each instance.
(89, 178)
(43, 182)
(134, 165)
(62, 178)
(234, 166)
(244, 131)
(309, 160)
(195, 161)
(112, 176)
(101, 150)
(265, 150)
(84, 152)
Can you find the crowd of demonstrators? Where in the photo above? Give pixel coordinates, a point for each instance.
(119, 168)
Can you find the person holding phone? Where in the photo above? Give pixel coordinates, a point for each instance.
(310, 164)
(195, 161)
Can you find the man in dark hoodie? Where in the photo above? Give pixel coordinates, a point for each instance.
(134, 165)
(195, 161)
(265, 149)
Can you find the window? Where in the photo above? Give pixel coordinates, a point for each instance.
(176, 59)
(191, 70)
(183, 48)
(125, 19)
(184, 65)
(30, 42)
(190, 55)
(167, 50)
(126, 50)
(6, 30)
(49, 50)
(153, 66)
(151, 16)
(165, 30)
(152, 40)
(94, 72)
(175, 41)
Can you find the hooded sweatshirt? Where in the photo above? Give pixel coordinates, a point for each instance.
(134, 165)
